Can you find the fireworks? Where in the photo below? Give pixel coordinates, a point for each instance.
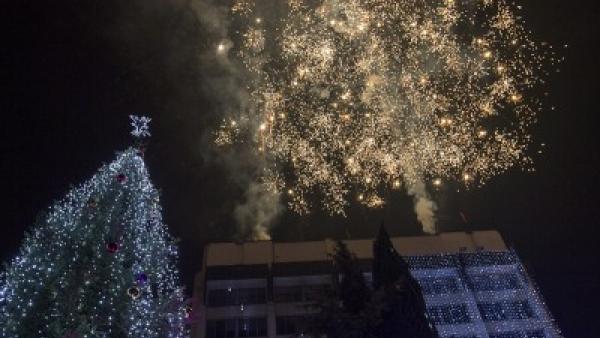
(351, 98)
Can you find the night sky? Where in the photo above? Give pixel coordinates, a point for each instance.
(74, 70)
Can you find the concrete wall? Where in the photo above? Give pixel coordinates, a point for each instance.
(268, 252)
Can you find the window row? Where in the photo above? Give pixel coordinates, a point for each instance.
(494, 282)
(227, 297)
(449, 314)
(288, 294)
(299, 293)
(293, 325)
(491, 312)
(520, 334)
(438, 285)
(236, 327)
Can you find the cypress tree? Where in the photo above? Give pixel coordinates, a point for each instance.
(403, 311)
(344, 312)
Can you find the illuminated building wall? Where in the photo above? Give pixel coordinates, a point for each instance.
(474, 286)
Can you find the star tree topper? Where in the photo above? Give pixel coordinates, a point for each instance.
(140, 124)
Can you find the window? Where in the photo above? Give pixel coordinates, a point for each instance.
(437, 286)
(288, 294)
(505, 311)
(449, 314)
(252, 327)
(495, 282)
(290, 325)
(520, 334)
(299, 293)
(227, 297)
(236, 327)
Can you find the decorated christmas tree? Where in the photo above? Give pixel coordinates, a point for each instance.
(99, 263)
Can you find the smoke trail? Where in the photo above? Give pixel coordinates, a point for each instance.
(424, 207)
(256, 215)
(224, 80)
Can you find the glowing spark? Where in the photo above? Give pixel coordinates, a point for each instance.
(368, 108)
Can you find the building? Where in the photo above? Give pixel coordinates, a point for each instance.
(474, 286)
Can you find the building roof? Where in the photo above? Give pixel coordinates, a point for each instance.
(269, 252)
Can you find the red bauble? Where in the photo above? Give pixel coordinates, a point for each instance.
(92, 203)
(121, 178)
(112, 247)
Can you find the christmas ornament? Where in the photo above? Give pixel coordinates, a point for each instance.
(189, 310)
(121, 178)
(141, 278)
(92, 203)
(112, 247)
(134, 292)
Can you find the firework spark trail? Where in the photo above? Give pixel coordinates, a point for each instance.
(351, 98)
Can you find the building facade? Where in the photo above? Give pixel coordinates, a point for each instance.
(473, 285)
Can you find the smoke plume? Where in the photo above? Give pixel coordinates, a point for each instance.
(224, 81)
(424, 207)
(257, 213)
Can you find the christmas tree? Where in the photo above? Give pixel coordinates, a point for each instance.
(99, 263)
(398, 293)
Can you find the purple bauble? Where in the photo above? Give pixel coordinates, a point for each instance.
(141, 278)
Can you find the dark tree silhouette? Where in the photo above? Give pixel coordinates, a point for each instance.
(345, 310)
(393, 308)
(403, 311)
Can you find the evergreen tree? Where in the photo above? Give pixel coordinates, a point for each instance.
(344, 312)
(353, 289)
(99, 264)
(403, 311)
